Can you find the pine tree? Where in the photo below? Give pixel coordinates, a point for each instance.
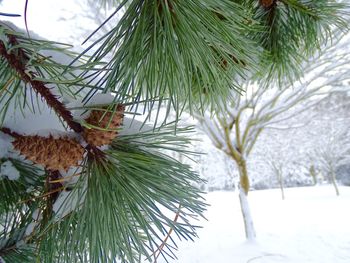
(106, 192)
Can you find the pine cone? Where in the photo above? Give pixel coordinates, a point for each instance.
(105, 120)
(53, 154)
(267, 3)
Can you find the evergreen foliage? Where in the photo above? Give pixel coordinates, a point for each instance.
(296, 29)
(120, 202)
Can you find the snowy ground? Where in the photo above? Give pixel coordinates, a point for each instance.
(310, 225)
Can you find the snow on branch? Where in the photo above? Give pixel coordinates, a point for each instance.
(237, 129)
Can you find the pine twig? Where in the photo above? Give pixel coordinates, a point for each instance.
(94, 153)
(57, 190)
(9, 132)
(54, 186)
(16, 62)
(6, 250)
(161, 246)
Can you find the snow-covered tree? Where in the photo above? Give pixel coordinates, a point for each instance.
(332, 151)
(99, 190)
(237, 129)
(277, 166)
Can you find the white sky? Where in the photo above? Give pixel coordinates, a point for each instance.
(45, 17)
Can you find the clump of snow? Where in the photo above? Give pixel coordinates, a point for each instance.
(2, 260)
(104, 147)
(36, 114)
(81, 111)
(36, 215)
(20, 243)
(30, 228)
(5, 145)
(77, 109)
(72, 176)
(101, 99)
(132, 126)
(41, 118)
(56, 134)
(8, 170)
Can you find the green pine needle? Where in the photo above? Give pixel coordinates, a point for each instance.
(14, 92)
(185, 54)
(295, 31)
(125, 202)
(14, 192)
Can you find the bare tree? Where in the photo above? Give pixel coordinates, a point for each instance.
(332, 153)
(236, 130)
(277, 166)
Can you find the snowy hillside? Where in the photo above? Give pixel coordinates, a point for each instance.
(310, 226)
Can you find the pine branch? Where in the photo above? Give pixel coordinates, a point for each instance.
(160, 248)
(12, 252)
(182, 54)
(16, 61)
(131, 185)
(295, 30)
(54, 187)
(10, 132)
(95, 154)
(13, 224)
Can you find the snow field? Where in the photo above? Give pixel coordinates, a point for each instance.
(310, 226)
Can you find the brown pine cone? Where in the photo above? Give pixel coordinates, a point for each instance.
(53, 154)
(105, 120)
(266, 3)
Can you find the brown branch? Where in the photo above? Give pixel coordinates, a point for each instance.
(54, 186)
(95, 154)
(16, 61)
(54, 189)
(43, 195)
(7, 250)
(161, 247)
(11, 133)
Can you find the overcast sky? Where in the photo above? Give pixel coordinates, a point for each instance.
(51, 19)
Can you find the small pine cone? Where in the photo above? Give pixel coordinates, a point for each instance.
(267, 3)
(53, 154)
(105, 120)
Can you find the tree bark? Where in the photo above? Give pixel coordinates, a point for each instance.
(334, 182)
(280, 181)
(247, 217)
(243, 198)
(243, 176)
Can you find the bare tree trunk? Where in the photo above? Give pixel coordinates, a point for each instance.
(247, 217)
(243, 198)
(280, 180)
(334, 182)
(313, 174)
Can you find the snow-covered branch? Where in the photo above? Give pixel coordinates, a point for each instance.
(267, 108)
